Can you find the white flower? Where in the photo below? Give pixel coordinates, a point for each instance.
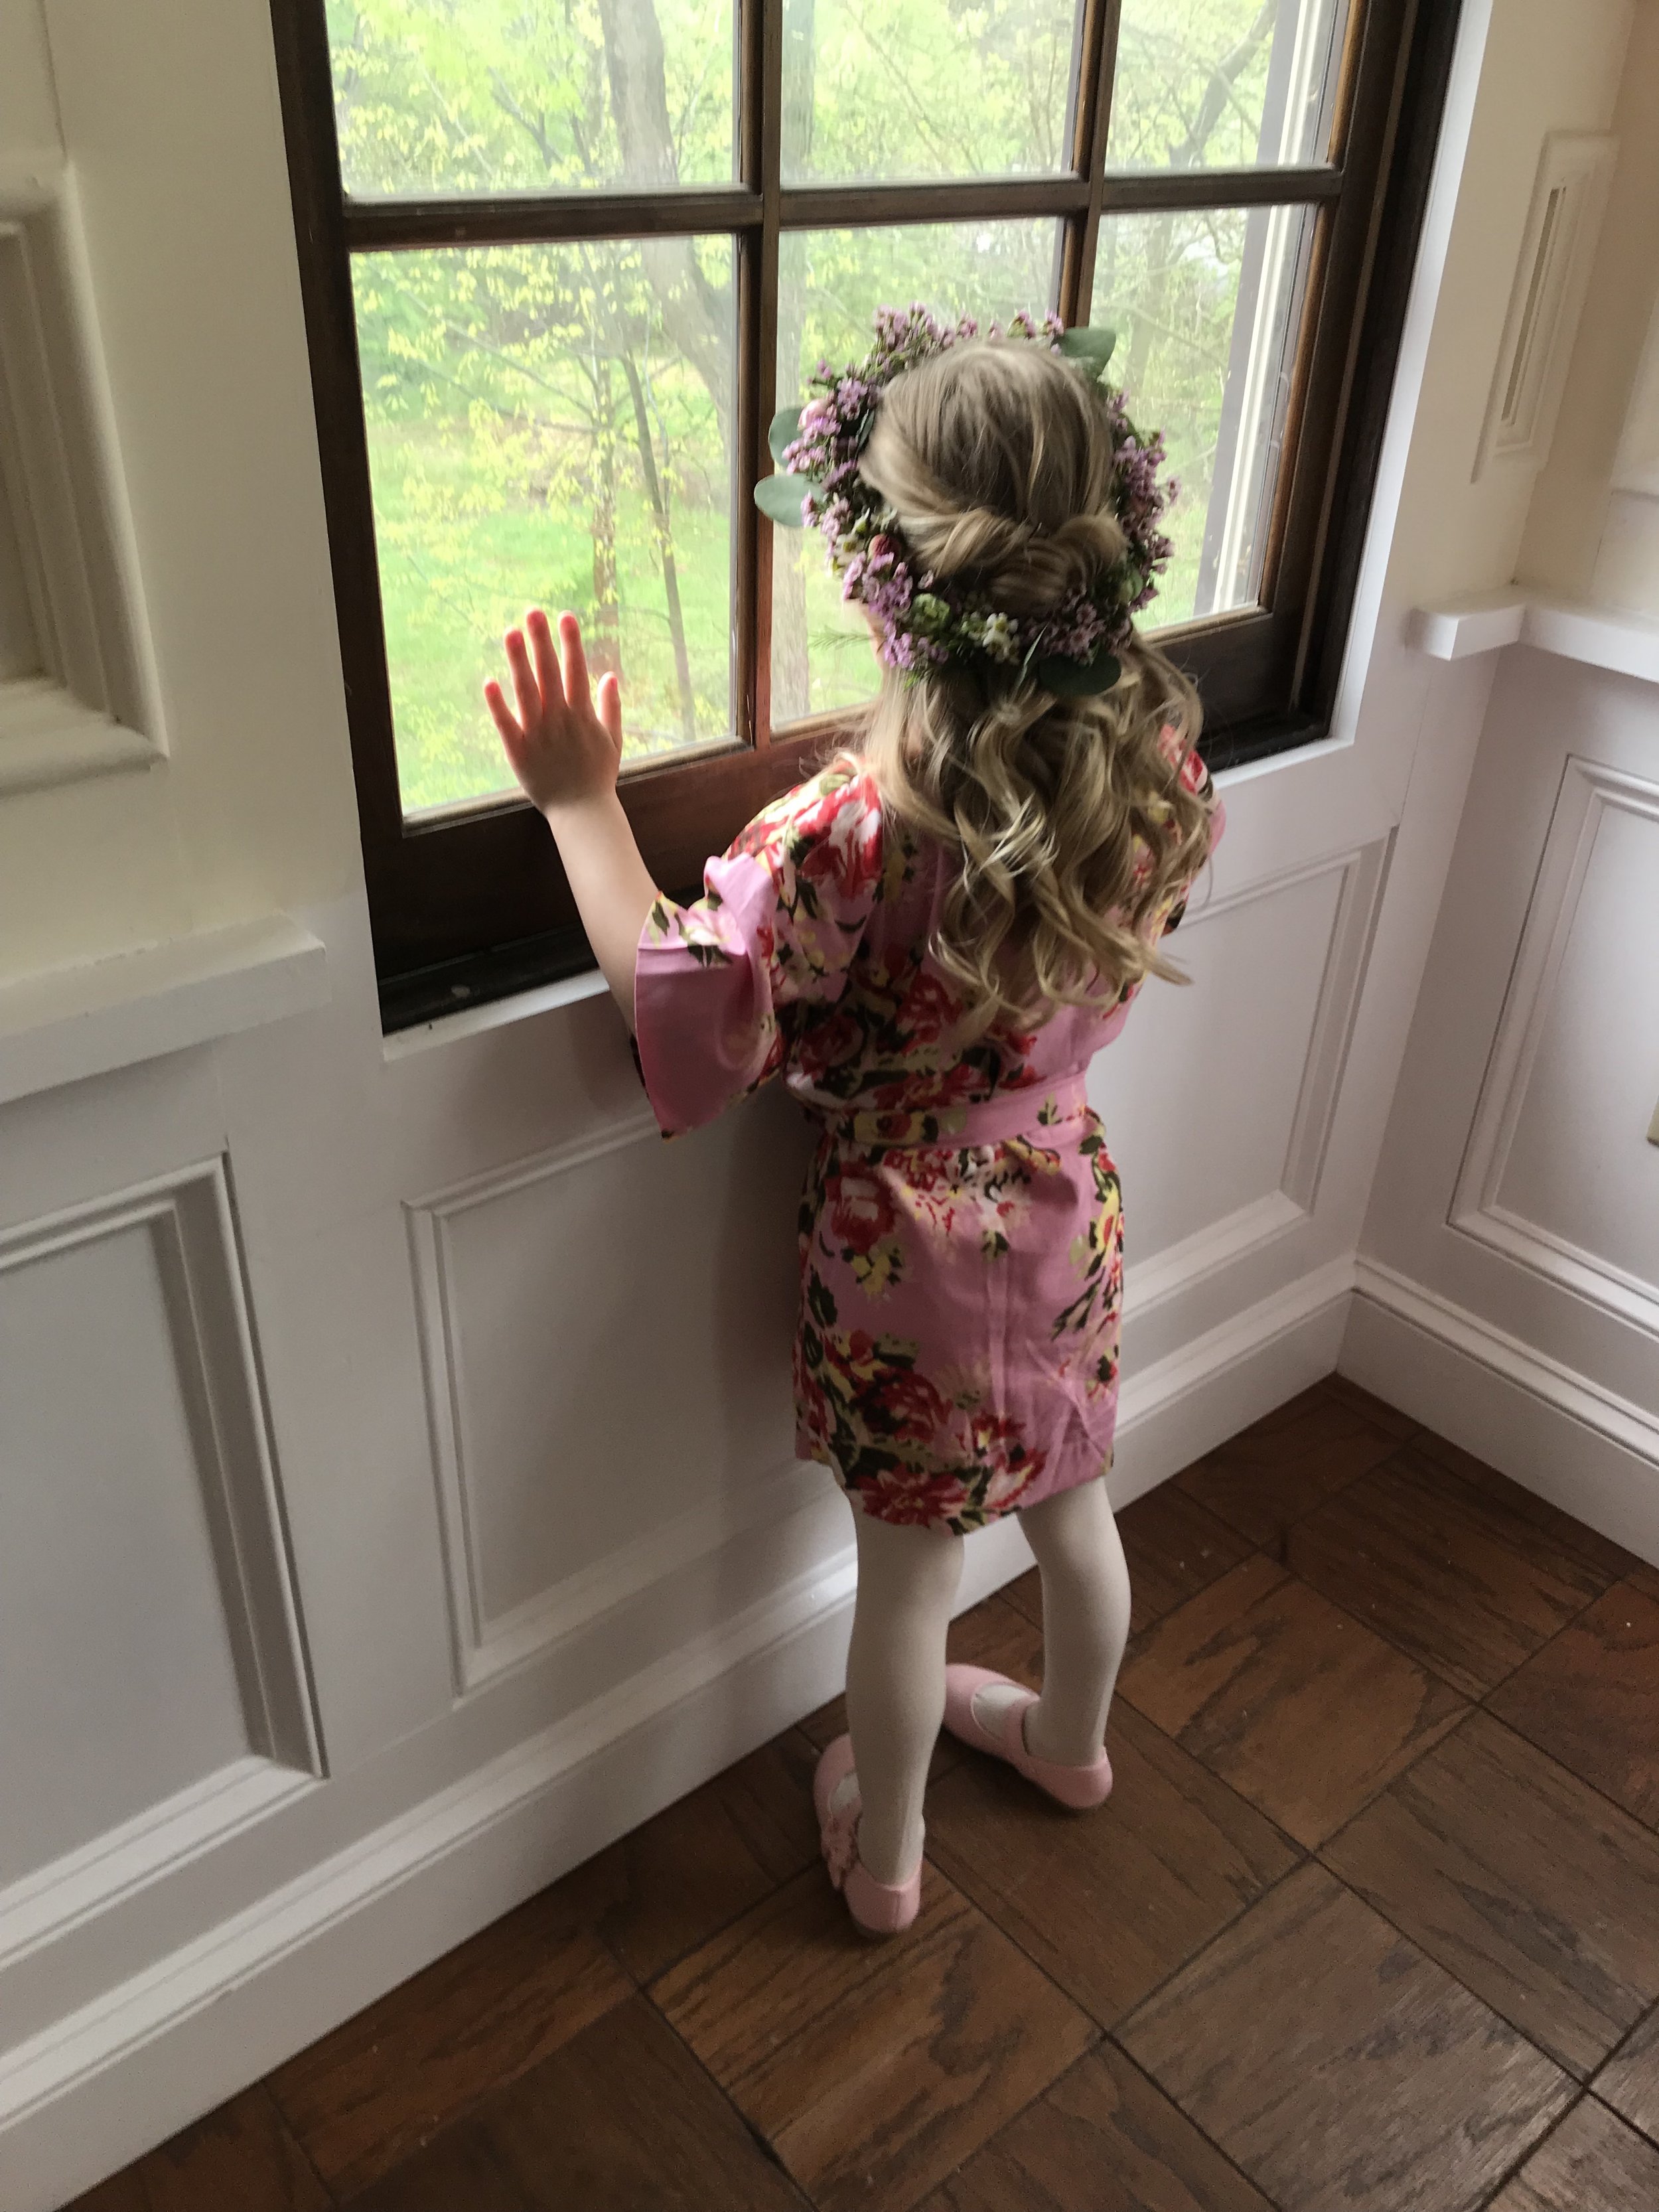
(997, 636)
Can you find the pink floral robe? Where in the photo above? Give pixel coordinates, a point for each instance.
(960, 1251)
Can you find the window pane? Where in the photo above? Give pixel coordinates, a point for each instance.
(1206, 306)
(517, 96)
(933, 88)
(1223, 83)
(829, 284)
(549, 425)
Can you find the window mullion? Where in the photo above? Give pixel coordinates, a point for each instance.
(1098, 68)
(543, 218)
(761, 129)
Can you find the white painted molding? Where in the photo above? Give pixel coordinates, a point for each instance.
(189, 1219)
(1589, 790)
(1464, 628)
(81, 696)
(48, 1904)
(1552, 275)
(1636, 465)
(483, 1648)
(1580, 1397)
(65, 1023)
(1601, 638)
(85, 2095)
(1179, 1268)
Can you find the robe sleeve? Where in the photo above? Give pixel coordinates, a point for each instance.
(781, 915)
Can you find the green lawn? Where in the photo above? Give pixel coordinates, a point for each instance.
(461, 562)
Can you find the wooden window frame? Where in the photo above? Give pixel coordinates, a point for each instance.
(470, 904)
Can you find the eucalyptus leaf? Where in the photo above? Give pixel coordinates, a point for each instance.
(1078, 679)
(1092, 346)
(780, 497)
(786, 428)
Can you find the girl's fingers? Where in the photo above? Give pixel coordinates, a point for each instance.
(610, 703)
(511, 735)
(547, 659)
(525, 686)
(575, 662)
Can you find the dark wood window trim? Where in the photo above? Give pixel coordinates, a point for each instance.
(470, 904)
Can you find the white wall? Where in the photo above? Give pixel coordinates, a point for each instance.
(1510, 1268)
(460, 1516)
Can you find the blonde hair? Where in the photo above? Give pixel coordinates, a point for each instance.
(1067, 819)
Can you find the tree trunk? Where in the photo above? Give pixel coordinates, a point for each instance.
(657, 493)
(697, 316)
(605, 634)
(1187, 154)
(790, 691)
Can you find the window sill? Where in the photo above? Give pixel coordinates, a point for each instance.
(64, 1023)
(495, 1014)
(1601, 638)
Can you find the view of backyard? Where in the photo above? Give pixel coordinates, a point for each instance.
(552, 423)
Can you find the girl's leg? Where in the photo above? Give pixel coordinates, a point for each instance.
(1086, 1621)
(907, 1582)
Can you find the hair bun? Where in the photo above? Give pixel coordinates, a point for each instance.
(1027, 526)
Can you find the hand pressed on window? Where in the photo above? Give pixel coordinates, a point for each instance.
(566, 753)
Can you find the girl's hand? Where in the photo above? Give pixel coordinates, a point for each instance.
(562, 752)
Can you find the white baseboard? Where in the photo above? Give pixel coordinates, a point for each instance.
(1559, 1432)
(102, 2085)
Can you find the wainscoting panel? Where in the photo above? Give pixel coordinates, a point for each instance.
(1249, 1061)
(541, 1460)
(1559, 1173)
(149, 1637)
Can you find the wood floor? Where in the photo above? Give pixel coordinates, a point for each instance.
(1371, 1921)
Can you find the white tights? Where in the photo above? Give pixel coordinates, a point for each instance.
(907, 1580)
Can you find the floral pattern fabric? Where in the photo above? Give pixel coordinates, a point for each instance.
(961, 1226)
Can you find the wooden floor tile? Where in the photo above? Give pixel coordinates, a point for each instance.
(1449, 1575)
(872, 2070)
(1301, 1708)
(240, 2155)
(667, 1887)
(367, 2095)
(1338, 2066)
(1630, 2080)
(1280, 1467)
(1591, 1698)
(1376, 1411)
(1592, 2163)
(1174, 1547)
(1535, 1892)
(1108, 1902)
(1610, 1562)
(1103, 2140)
(622, 2119)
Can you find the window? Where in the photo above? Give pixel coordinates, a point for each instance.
(562, 259)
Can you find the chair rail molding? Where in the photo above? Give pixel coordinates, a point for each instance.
(92, 1017)
(79, 692)
(1599, 636)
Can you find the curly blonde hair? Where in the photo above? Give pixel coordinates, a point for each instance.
(1067, 819)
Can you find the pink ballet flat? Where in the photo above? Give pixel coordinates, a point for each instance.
(1077, 1786)
(878, 1908)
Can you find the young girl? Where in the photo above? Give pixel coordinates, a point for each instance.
(929, 940)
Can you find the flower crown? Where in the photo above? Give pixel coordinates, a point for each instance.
(924, 620)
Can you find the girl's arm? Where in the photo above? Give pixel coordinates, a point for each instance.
(566, 755)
